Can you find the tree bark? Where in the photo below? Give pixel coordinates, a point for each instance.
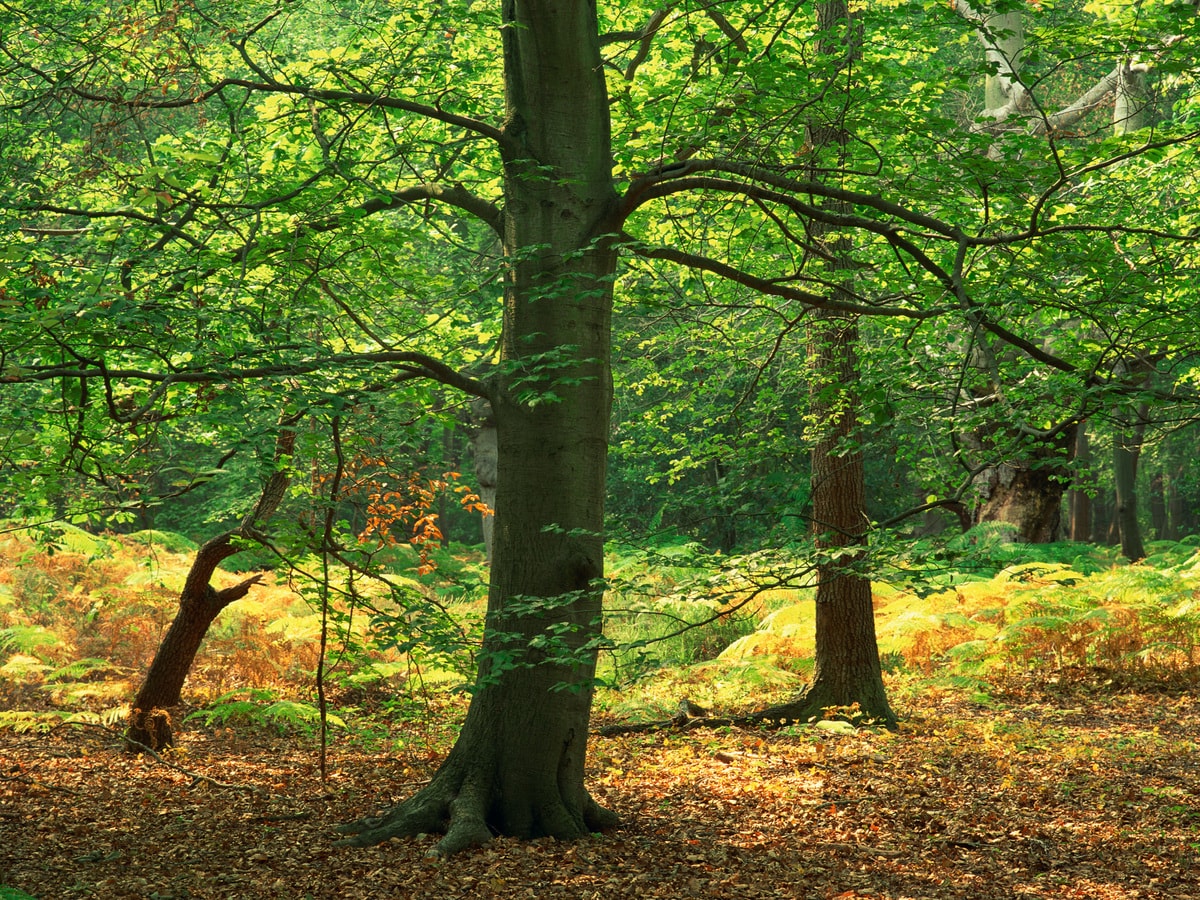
(1127, 447)
(199, 604)
(1079, 503)
(846, 671)
(483, 445)
(517, 767)
(1158, 507)
(1132, 105)
(1177, 516)
(1026, 494)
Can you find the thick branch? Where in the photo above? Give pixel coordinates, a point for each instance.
(735, 37)
(454, 195)
(680, 178)
(357, 98)
(644, 38)
(1065, 118)
(771, 288)
(416, 365)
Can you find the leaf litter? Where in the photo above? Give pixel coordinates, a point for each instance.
(1072, 789)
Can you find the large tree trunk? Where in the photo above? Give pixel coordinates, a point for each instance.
(517, 767)
(846, 669)
(199, 604)
(1027, 495)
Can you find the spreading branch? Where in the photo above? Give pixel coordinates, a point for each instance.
(411, 366)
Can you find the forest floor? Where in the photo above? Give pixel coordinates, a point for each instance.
(1076, 785)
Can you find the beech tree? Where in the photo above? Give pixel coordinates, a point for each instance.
(249, 186)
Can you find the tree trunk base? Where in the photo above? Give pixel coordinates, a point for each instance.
(461, 807)
(820, 700)
(148, 729)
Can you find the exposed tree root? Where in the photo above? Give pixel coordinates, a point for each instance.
(458, 807)
(818, 698)
(811, 705)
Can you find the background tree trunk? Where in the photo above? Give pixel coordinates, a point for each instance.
(1127, 445)
(1027, 495)
(199, 604)
(483, 446)
(1176, 509)
(1079, 503)
(846, 669)
(1158, 507)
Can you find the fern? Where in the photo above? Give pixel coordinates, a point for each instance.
(11, 893)
(301, 716)
(27, 639)
(256, 711)
(85, 669)
(26, 721)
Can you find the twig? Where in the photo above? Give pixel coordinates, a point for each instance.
(33, 782)
(195, 776)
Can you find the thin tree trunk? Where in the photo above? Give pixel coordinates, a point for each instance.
(450, 461)
(199, 604)
(483, 445)
(1176, 510)
(1127, 447)
(846, 669)
(1080, 503)
(1158, 507)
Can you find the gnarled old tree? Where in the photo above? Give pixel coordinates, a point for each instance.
(199, 605)
(282, 177)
